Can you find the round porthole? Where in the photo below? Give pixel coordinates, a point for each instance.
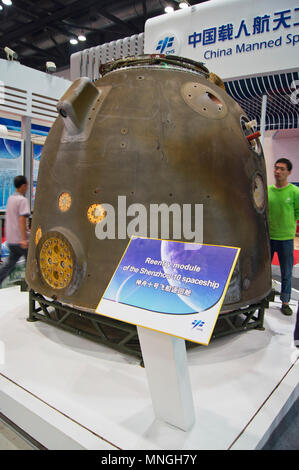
(96, 213)
(38, 235)
(64, 201)
(56, 261)
(60, 261)
(258, 192)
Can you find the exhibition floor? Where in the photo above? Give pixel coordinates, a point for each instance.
(67, 392)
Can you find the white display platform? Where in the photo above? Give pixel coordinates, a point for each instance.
(71, 393)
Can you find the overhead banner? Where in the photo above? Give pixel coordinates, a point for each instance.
(233, 38)
(169, 286)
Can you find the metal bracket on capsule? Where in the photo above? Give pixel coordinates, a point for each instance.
(253, 140)
(78, 109)
(253, 136)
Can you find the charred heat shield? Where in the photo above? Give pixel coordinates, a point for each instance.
(155, 130)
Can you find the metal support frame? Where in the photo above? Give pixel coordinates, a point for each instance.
(115, 334)
(123, 337)
(248, 318)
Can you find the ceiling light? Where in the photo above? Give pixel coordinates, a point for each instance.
(7, 2)
(73, 41)
(1, 7)
(184, 4)
(168, 9)
(81, 37)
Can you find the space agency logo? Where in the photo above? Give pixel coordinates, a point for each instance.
(168, 44)
(197, 324)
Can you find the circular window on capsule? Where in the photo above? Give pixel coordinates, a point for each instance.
(56, 261)
(258, 192)
(64, 201)
(38, 235)
(96, 213)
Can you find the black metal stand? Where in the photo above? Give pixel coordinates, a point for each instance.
(122, 336)
(115, 334)
(251, 317)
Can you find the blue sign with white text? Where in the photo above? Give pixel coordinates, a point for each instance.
(171, 277)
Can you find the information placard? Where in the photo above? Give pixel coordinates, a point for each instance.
(169, 286)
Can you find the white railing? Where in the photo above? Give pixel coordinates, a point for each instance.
(87, 63)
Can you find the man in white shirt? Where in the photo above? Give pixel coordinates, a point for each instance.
(16, 233)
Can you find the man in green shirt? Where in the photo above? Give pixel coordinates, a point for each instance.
(283, 201)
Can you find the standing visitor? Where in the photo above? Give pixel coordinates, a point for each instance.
(16, 232)
(283, 200)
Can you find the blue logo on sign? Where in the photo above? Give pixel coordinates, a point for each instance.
(198, 323)
(165, 43)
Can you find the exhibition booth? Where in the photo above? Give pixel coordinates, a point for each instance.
(131, 362)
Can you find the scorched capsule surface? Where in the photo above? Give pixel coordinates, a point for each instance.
(157, 130)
